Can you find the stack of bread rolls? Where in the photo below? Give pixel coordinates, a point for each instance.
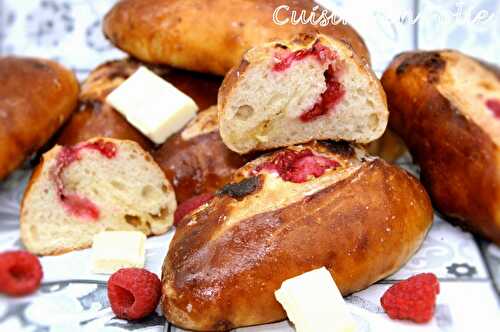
(304, 98)
(277, 153)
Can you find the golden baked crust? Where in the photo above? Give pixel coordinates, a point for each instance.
(36, 98)
(208, 36)
(450, 134)
(97, 118)
(195, 160)
(362, 221)
(388, 147)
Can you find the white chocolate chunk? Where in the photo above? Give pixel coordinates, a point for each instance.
(313, 303)
(113, 250)
(152, 105)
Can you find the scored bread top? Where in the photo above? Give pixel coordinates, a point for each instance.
(471, 86)
(362, 219)
(438, 106)
(292, 92)
(466, 82)
(271, 188)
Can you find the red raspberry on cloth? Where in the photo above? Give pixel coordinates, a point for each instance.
(190, 205)
(412, 299)
(20, 273)
(133, 293)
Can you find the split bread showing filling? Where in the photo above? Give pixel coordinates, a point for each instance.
(98, 185)
(285, 93)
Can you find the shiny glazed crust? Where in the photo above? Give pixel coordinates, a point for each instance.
(208, 36)
(36, 98)
(195, 160)
(362, 221)
(97, 118)
(455, 146)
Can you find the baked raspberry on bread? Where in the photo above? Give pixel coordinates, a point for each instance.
(101, 184)
(195, 160)
(286, 213)
(285, 93)
(446, 107)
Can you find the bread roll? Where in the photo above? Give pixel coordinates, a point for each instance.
(36, 97)
(312, 87)
(97, 118)
(389, 146)
(98, 185)
(210, 36)
(446, 107)
(295, 210)
(195, 160)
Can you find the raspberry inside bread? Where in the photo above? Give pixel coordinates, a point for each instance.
(74, 203)
(289, 93)
(494, 106)
(297, 166)
(103, 184)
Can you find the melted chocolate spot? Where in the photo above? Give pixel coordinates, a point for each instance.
(240, 189)
(342, 148)
(279, 45)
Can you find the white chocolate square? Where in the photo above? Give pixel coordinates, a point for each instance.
(313, 303)
(152, 105)
(113, 250)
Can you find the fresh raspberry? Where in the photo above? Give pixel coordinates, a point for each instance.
(190, 205)
(412, 299)
(20, 273)
(133, 293)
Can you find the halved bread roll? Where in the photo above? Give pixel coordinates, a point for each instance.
(285, 93)
(97, 185)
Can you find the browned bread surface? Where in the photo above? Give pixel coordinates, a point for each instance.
(77, 192)
(195, 160)
(97, 118)
(438, 105)
(208, 36)
(36, 97)
(362, 220)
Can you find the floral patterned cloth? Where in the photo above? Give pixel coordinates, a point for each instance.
(73, 299)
